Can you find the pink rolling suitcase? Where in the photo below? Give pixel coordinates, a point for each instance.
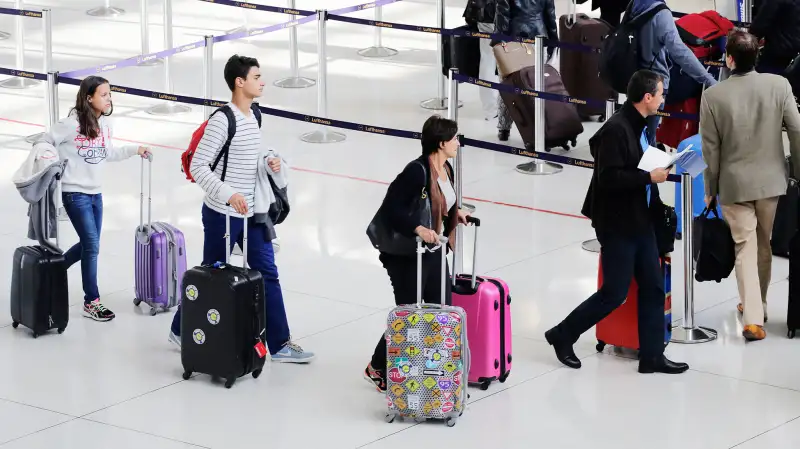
(160, 257)
(487, 302)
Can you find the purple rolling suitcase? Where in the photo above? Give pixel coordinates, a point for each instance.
(160, 257)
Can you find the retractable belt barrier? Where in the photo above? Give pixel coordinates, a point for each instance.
(21, 12)
(370, 129)
(257, 7)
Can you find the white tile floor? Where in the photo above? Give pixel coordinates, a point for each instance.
(118, 384)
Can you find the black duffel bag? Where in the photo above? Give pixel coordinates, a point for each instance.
(714, 248)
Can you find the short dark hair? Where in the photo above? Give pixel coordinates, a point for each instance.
(435, 131)
(643, 82)
(238, 67)
(743, 48)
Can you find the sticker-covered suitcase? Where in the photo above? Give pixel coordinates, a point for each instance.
(487, 303)
(223, 318)
(427, 356)
(160, 257)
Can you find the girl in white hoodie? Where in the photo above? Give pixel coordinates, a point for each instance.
(84, 139)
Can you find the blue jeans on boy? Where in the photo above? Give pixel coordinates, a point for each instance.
(85, 211)
(260, 256)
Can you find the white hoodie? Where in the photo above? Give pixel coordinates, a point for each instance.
(82, 173)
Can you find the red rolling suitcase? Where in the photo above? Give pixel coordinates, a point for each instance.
(673, 131)
(620, 327)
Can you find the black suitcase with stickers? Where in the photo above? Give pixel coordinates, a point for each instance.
(222, 319)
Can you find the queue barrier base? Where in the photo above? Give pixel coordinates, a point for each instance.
(539, 168)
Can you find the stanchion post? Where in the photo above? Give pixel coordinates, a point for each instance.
(106, 10)
(378, 50)
(747, 11)
(688, 332)
(324, 134)
(144, 26)
(536, 167)
(208, 75)
(47, 62)
(440, 101)
(452, 114)
(295, 81)
(593, 245)
(168, 107)
(19, 82)
(52, 118)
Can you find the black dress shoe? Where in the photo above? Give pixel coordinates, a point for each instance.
(564, 352)
(661, 365)
(503, 135)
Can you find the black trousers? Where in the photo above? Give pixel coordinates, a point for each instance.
(402, 272)
(624, 258)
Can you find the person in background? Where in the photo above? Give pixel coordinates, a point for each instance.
(84, 138)
(480, 13)
(243, 76)
(525, 19)
(777, 22)
(740, 124)
(429, 177)
(660, 47)
(618, 202)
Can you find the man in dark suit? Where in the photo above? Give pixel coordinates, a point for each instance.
(619, 204)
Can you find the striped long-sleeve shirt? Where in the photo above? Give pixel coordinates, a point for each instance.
(243, 154)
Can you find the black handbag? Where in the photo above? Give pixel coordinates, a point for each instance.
(279, 210)
(665, 225)
(386, 239)
(714, 248)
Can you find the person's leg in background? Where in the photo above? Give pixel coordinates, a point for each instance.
(86, 214)
(617, 256)
(213, 251)
(402, 271)
(261, 257)
(765, 215)
(743, 223)
(486, 72)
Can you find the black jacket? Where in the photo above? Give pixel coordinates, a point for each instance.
(404, 191)
(778, 22)
(526, 18)
(617, 197)
(479, 11)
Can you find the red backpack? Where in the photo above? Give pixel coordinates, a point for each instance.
(186, 156)
(701, 32)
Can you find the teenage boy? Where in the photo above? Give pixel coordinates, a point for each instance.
(243, 76)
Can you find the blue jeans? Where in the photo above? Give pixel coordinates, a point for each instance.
(86, 214)
(624, 258)
(260, 256)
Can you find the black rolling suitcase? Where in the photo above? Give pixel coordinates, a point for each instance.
(785, 224)
(222, 319)
(39, 290)
(793, 312)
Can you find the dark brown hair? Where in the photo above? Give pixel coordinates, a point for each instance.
(87, 117)
(743, 48)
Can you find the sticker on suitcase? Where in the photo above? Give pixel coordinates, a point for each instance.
(425, 359)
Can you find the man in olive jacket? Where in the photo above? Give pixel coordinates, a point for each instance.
(740, 123)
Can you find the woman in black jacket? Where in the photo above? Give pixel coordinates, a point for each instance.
(427, 182)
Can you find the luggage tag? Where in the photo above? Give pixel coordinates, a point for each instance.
(260, 347)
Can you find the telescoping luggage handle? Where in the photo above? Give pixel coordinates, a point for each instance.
(228, 237)
(149, 194)
(477, 222)
(420, 250)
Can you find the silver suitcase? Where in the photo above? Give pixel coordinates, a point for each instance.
(427, 355)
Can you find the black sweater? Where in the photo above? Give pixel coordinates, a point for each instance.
(403, 193)
(617, 197)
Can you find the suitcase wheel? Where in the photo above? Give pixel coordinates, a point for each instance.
(602, 118)
(256, 373)
(503, 377)
(229, 383)
(389, 417)
(153, 311)
(451, 421)
(35, 334)
(791, 333)
(187, 375)
(136, 301)
(574, 142)
(61, 330)
(600, 346)
(15, 324)
(485, 385)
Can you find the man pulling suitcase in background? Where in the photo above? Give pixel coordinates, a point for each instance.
(234, 181)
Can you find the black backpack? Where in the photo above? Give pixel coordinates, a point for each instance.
(619, 58)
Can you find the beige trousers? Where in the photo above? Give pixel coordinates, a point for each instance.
(751, 227)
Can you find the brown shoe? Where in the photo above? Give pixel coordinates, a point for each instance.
(740, 308)
(754, 332)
